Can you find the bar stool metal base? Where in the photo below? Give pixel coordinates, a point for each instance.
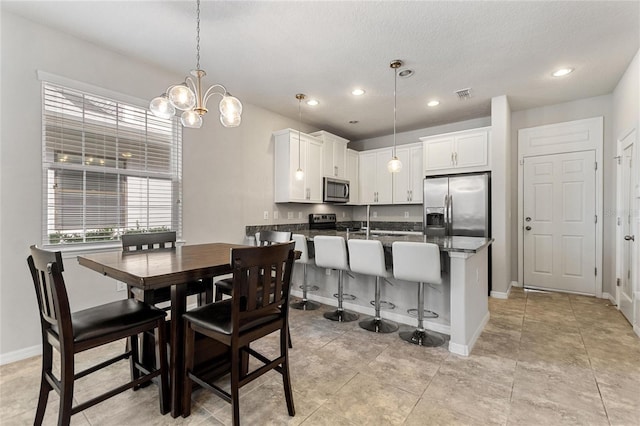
(378, 325)
(305, 305)
(422, 338)
(341, 316)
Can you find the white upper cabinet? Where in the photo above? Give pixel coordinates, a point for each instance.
(291, 153)
(376, 183)
(458, 152)
(334, 154)
(407, 183)
(352, 176)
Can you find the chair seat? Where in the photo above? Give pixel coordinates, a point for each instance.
(111, 318)
(225, 285)
(217, 317)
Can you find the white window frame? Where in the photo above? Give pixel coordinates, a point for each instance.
(174, 174)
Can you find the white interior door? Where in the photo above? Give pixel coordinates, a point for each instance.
(625, 301)
(560, 222)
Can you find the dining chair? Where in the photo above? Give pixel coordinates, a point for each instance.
(133, 243)
(263, 238)
(259, 306)
(71, 333)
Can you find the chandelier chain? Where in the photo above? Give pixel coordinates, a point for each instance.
(198, 34)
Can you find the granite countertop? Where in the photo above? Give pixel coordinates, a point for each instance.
(448, 244)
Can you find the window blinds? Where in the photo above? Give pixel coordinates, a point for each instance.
(108, 168)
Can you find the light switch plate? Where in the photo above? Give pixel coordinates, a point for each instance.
(375, 214)
(265, 215)
(290, 215)
(299, 215)
(120, 286)
(406, 214)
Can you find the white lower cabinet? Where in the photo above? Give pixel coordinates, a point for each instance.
(376, 183)
(291, 153)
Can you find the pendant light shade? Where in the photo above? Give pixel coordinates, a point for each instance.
(394, 165)
(192, 99)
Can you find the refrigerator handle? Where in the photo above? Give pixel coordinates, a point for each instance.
(450, 230)
(446, 213)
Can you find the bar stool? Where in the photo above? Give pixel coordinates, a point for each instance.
(331, 253)
(301, 246)
(418, 262)
(367, 257)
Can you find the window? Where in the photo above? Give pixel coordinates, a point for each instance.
(109, 168)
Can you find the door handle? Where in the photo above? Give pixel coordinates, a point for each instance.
(629, 237)
(528, 228)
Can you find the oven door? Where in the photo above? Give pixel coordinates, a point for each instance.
(336, 190)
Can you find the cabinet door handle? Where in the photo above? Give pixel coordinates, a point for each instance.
(335, 171)
(452, 158)
(408, 196)
(455, 156)
(411, 195)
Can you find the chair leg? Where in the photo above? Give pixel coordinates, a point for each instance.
(286, 378)
(66, 387)
(217, 295)
(45, 387)
(235, 384)
(161, 355)
(189, 337)
(134, 348)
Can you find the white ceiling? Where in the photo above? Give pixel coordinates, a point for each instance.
(265, 52)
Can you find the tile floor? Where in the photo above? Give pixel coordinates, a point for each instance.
(543, 359)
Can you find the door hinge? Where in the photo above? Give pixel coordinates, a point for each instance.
(617, 282)
(522, 162)
(618, 221)
(596, 218)
(596, 271)
(618, 159)
(596, 165)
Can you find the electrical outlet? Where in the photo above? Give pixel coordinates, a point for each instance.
(344, 214)
(299, 215)
(275, 214)
(406, 214)
(265, 215)
(375, 214)
(327, 271)
(290, 215)
(120, 286)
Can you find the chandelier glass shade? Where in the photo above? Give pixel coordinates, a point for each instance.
(190, 98)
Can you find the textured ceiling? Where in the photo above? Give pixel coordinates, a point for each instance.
(266, 52)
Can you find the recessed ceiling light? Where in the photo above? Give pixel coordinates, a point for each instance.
(433, 103)
(357, 92)
(312, 102)
(562, 72)
(353, 121)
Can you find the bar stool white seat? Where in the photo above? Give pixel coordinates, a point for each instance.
(331, 253)
(367, 257)
(301, 246)
(418, 262)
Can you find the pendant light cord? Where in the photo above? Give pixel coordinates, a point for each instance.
(299, 126)
(395, 85)
(198, 34)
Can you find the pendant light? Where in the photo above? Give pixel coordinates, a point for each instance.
(190, 98)
(394, 165)
(300, 97)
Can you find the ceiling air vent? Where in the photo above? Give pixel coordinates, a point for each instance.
(463, 94)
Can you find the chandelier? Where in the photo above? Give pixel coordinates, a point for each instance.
(190, 98)
(394, 165)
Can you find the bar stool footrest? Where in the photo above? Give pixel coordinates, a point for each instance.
(427, 313)
(309, 287)
(345, 296)
(384, 304)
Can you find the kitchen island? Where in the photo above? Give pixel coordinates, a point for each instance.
(461, 301)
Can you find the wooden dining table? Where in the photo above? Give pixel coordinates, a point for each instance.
(155, 269)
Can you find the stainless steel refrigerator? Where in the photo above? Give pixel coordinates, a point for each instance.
(458, 205)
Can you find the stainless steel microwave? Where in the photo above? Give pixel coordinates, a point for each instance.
(335, 190)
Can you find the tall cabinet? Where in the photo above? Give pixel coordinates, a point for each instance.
(376, 183)
(334, 154)
(288, 189)
(407, 183)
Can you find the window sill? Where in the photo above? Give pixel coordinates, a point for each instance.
(72, 250)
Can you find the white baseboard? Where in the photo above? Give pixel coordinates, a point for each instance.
(20, 354)
(636, 329)
(465, 350)
(399, 318)
(610, 297)
(501, 294)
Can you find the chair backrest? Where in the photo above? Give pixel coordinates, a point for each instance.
(261, 281)
(367, 257)
(302, 247)
(266, 238)
(417, 262)
(149, 241)
(331, 252)
(46, 270)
